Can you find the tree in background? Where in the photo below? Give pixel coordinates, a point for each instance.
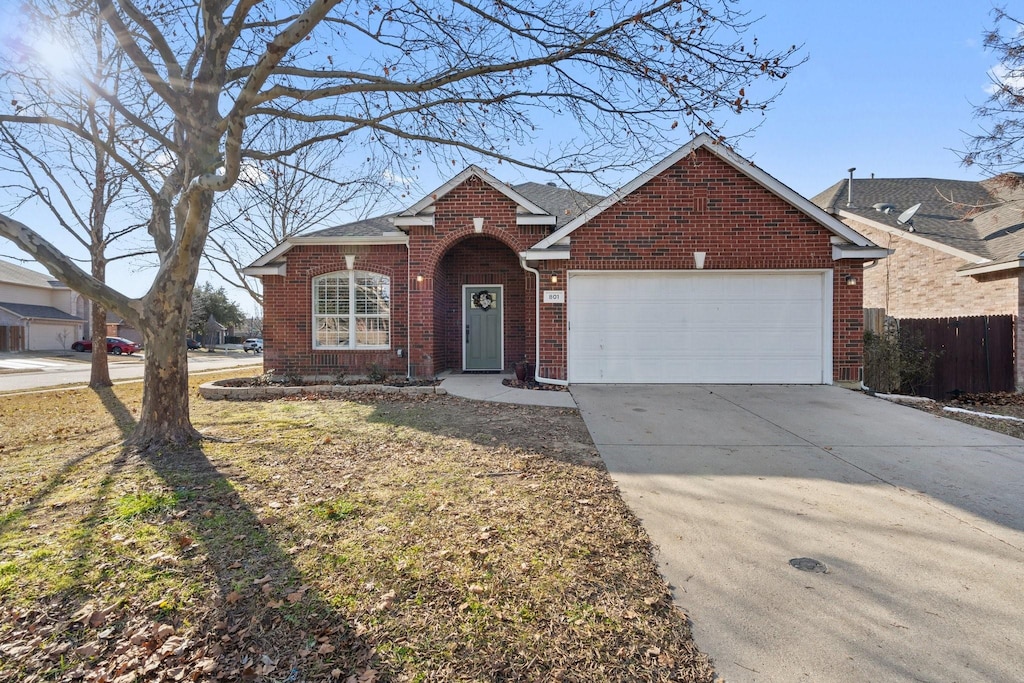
(73, 177)
(207, 301)
(278, 198)
(559, 86)
(999, 145)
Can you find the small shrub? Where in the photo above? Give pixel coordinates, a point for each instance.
(264, 380)
(376, 373)
(896, 361)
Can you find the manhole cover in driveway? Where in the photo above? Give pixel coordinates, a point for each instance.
(808, 564)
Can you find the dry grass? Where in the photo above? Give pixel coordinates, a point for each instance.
(1010, 404)
(408, 540)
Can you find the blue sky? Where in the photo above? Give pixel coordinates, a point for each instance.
(888, 88)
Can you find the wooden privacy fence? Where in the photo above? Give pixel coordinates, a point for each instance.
(12, 338)
(974, 354)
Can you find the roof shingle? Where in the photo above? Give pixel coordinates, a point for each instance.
(974, 217)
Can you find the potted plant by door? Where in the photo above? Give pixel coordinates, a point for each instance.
(524, 370)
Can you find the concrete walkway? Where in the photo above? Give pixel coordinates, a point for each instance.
(918, 519)
(488, 387)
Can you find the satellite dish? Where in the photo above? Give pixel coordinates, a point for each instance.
(907, 217)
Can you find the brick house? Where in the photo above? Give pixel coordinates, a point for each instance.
(959, 255)
(702, 269)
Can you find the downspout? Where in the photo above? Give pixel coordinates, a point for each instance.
(408, 312)
(536, 355)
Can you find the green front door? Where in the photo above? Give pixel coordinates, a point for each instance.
(482, 307)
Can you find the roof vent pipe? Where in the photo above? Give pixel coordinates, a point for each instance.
(849, 189)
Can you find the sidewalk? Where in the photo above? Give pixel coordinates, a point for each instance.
(488, 387)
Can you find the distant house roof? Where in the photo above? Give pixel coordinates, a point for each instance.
(18, 275)
(34, 311)
(982, 219)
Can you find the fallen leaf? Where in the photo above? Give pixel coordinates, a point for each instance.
(265, 579)
(87, 650)
(207, 665)
(326, 649)
(233, 597)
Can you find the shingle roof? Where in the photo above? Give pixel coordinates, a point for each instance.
(23, 276)
(34, 311)
(976, 217)
(562, 203)
(368, 227)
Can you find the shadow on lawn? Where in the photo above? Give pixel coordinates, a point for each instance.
(557, 433)
(237, 603)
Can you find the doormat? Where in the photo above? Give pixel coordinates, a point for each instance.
(481, 372)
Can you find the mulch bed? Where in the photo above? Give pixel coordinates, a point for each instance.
(531, 384)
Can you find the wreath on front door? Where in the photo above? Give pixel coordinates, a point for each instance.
(483, 300)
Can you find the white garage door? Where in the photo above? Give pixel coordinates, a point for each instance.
(745, 327)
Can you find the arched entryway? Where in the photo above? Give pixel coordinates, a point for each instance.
(480, 283)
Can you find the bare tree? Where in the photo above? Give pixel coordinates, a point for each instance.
(395, 80)
(70, 176)
(999, 145)
(277, 198)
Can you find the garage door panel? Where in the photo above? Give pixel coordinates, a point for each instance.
(762, 327)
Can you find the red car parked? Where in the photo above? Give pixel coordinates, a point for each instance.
(115, 345)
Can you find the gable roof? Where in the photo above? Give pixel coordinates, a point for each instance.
(561, 204)
(35, 311)
(18, 275)
(742, 165)
(981, 222)
(470, 172)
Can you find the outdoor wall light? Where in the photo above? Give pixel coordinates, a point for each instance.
(478, 224)
(419, 278)
(554, 279)
(698, 259)
(851, 280)
(350, 261)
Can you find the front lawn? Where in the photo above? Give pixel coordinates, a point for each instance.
(423, 539)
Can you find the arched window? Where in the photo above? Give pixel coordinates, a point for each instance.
(352, 310)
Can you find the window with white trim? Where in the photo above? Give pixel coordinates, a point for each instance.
(352, 310)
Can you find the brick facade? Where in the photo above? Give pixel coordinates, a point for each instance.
(699, 204)
(920, 281)
(704, 204)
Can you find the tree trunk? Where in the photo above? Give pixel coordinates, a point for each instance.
(165, 417)
(99, 374)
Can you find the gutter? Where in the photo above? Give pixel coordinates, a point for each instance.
(990, 267)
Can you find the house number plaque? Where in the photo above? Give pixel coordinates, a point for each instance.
(554, 297)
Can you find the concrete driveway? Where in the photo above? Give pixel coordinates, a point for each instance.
(918, 519)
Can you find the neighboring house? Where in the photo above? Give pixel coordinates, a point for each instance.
(702, 269)
(960, 254)
(119, 327)
(41, 312)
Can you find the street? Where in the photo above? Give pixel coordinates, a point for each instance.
(28, 371)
